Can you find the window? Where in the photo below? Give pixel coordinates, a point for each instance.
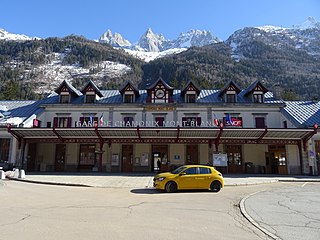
(192, 170)
(204, 170)
(128, 98)
(191, 121)
(190, 98)
(89, 121)
(128, 121)
(65, 98)
(90, 98)
(258, 98)
(62, 122)
(231, 98)
(159, 121)
(260, 122)
(285, 124)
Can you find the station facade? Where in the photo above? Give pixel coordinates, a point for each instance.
(130, 130)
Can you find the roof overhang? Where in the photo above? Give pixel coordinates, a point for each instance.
(170, 135)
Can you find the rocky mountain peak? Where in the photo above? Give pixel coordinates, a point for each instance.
(151, 42)
(311, 22)
(115, 40)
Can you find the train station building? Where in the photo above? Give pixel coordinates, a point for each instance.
(129, 130)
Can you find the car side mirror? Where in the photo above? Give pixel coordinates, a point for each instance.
(182, 173)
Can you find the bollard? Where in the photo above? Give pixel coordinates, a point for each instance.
(16, 173)
(2, 175)
(22, 174)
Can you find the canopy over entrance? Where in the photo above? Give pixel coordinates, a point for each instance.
(165, 135)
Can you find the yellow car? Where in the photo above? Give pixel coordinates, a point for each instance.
(189, 177)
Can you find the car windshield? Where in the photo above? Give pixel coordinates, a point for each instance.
(178, 170)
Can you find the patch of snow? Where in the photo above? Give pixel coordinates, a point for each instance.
(270, 28)
(14, 120)
(3, 108)
(49, 76)
(150, 56)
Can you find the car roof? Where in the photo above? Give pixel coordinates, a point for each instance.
(198, 165)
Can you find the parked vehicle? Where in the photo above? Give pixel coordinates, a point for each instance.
(189, 177)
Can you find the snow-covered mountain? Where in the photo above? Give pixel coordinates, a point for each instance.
(152, 42)
(152, 45)
(305, 36)
(194, 38)
(115, 39)
(4, 35)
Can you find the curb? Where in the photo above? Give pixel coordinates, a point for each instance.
(49, 183)
(252, 221)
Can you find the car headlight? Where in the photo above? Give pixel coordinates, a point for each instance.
(161, 179)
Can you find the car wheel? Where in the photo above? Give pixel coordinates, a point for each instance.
(215, 186)
(171, 187)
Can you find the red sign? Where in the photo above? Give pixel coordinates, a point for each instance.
(235, 122)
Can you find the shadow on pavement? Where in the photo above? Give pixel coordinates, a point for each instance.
(146, 191)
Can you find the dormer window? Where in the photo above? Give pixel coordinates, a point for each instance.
(90, 98)
(191, 98)
(256, 92)
(190, 92)
(231, 98)
(64, 97)
(258, 98)
(67, 93)
(129, 93)
(91, 92)
(128, 98)
(229, 92)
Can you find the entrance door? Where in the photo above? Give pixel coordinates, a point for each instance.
(160, 152)
(60, 157)
(192, 154)
(234, 153)
(31, 158)
(278, 160)
(127, 158)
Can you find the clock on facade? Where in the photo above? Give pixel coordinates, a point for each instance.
(160, 93)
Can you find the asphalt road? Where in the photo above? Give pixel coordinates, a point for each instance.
(291, 212)
(33, 211)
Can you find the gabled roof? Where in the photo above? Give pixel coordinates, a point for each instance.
(128, 85)
(253, 86)
(192, 85)
(227, 86)
(69, 86)
(167, 86)
(90, 85)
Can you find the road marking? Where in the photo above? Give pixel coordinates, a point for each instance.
(304, 184)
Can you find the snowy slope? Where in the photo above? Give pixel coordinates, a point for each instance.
(4, 35)
(305, 36)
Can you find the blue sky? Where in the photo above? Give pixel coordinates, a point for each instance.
(131, 18)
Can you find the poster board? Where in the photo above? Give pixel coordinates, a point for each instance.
(144, 159)
(115, 160)
(220, 160)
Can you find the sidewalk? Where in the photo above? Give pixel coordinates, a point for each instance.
(145, 180)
